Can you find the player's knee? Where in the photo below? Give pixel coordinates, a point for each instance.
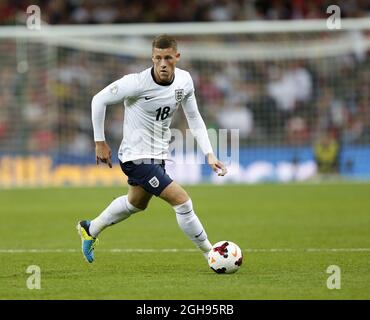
(174, 194)
(139, 203)
(178, 198)
(139, 206)
(136, 206)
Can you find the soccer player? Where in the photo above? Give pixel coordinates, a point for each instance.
(150, 98)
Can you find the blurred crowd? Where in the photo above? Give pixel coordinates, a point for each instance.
(289, 102)
(128, 11)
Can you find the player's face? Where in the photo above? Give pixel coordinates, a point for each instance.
(164, 61)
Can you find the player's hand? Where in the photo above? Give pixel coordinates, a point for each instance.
(103, 153)
(216, 164)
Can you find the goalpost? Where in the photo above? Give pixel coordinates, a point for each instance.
(296, 91)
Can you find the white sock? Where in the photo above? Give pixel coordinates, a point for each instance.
(119, 209)
(190, 224)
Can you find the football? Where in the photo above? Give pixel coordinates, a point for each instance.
(225, 257)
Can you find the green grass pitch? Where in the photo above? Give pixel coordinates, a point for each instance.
(304, 223)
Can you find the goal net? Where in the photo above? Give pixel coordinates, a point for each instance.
(297, 93)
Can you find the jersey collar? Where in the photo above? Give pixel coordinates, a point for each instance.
(161, 83)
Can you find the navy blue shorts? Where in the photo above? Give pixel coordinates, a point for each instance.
(149, 173)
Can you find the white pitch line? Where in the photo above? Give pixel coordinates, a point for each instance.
(138, 250)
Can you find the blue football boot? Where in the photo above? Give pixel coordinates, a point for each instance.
(88, 242)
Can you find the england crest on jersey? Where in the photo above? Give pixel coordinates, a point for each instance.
(179, 95)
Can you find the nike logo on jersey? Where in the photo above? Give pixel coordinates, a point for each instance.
(148, 98)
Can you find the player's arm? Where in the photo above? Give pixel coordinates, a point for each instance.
(113, 93)
(199, 131)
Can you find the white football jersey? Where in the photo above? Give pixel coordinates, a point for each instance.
(149, 107)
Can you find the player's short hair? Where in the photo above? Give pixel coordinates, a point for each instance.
(164, 41)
